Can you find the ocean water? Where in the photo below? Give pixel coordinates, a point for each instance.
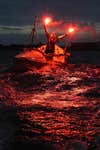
(52, 108)
(7, 56)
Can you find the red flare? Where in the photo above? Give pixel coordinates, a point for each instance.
(47, 20)
(71, 30)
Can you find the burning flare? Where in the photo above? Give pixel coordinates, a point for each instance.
(47, 20)
(70, 30)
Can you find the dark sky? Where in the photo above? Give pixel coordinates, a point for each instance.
(16, 17)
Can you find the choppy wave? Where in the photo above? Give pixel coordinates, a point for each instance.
(55, 107)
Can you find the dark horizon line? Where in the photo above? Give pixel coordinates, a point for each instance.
(87, 46)
(41, 43)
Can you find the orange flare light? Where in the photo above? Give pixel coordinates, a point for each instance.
(71, 30)
(47, 20)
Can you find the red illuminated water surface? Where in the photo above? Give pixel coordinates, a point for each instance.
(52, 108)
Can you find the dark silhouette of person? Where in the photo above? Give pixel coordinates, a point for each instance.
(52, 39)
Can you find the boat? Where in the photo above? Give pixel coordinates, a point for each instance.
(36, 57)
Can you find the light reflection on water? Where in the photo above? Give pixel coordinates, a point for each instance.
(59, 108)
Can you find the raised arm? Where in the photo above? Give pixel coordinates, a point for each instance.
(62, 36)
(47, 33)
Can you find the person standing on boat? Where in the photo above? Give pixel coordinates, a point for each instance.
(52, 39)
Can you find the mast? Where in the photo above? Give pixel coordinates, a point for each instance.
(33, 31)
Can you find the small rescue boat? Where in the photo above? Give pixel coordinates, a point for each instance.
(37, 57)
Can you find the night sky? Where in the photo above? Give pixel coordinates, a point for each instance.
(17, 17)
